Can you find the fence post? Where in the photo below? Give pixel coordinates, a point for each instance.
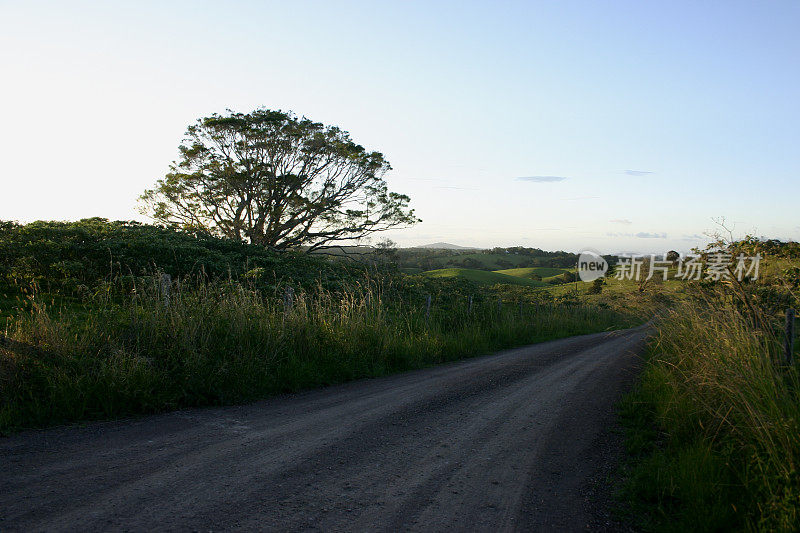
(520, 308)
(499, 305)
(288, 301)
(166, 284)
(788, 346)
(469, 309)
(427, 308)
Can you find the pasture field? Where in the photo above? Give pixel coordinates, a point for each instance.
(483, 277)
(493, 261)
(530, 272)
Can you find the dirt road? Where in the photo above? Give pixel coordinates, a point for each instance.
(518, 440)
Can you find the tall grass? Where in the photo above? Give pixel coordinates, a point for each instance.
(715, 424)
(227, 342)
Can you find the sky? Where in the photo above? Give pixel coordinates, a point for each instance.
(616, 126)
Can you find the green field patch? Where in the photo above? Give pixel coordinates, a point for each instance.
(483, 277)
(533, 272)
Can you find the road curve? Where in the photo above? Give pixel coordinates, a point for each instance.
(518, 440)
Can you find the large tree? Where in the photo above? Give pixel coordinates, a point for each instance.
(271, 178)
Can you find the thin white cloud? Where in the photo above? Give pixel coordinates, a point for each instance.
(638, 172)
(541, 179)
(621, 221)
(640, 235)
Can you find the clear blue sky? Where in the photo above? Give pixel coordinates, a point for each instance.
(700, 99)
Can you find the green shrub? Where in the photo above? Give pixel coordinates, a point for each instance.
(66, 256)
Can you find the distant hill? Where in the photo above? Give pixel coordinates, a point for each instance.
(446, 246)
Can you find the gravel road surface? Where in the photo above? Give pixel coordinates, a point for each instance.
(519, 440)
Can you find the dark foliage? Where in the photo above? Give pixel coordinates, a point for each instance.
(74, 256)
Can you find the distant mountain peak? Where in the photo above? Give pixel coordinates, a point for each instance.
(446, 246)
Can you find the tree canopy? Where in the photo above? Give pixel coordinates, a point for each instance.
(273, 179)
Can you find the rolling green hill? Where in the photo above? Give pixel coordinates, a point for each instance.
(542, 272)
(483, 277)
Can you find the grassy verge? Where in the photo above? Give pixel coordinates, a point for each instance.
(713, 430)
(224, 343)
